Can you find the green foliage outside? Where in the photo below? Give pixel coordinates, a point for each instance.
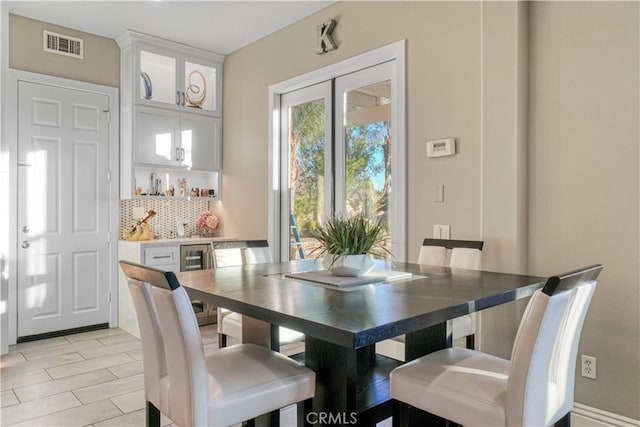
(367, 168)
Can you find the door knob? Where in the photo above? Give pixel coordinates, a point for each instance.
(25, 229)
(25, 244)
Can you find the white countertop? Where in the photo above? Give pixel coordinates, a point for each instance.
(170, 242)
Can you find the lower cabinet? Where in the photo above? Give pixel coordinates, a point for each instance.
(164, 257)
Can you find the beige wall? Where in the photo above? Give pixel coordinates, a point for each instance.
(100, 65)
(584, 177)
(582, 95)
(443, 100)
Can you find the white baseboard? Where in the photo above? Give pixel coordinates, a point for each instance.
(586, 416)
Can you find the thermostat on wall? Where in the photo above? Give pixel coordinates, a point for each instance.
(441, 147)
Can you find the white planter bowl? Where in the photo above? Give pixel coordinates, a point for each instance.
(349, 265)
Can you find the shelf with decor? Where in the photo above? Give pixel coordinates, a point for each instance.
(171, 115)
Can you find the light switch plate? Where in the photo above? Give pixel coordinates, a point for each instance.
(441, 231)
(438, 196)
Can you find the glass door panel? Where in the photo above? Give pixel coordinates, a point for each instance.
(199, 86)
(306, 153)
(364, 146)
(157, 78)
(368, 150)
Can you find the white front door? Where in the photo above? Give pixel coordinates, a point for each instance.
(63, 208)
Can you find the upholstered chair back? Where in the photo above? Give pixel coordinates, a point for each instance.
(432, 255)
(227, 257)
(543, 359)
(189, 393)
(154, 360)
(257, 255)
(468, 258)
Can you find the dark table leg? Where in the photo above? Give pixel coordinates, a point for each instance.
(336, 376)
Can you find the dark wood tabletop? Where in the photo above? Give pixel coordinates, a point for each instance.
(361, 315)
(341, 326)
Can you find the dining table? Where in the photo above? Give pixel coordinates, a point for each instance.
(343, 320)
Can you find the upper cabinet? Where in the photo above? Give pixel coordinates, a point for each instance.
(171, 106)
(166, 78)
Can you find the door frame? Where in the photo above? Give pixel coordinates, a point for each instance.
(394, 51)
(11, 146)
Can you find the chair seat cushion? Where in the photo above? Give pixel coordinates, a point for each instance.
(461, 385)
(247, 380)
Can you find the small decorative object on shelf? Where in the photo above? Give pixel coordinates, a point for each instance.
(206, 223)
(194, 95)
(146, 81)
(170, 191)
(142, 230)
(138, 191)
(195, 192)
(212, 192)
(349, 243)
(183, 187)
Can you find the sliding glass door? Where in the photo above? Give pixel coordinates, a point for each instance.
(337, 157)
(306, 157)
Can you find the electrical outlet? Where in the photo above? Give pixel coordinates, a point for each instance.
(588, 364)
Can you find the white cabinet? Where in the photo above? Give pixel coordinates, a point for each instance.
(164, 257)
(171, 115)
(163, 138)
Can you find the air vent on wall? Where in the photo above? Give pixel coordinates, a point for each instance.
(63, 45)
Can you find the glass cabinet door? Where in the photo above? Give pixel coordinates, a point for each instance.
(200, 86)
(157, 80)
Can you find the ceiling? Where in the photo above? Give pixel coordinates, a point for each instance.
(218, 26)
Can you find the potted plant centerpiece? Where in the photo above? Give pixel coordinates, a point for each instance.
(349, 243)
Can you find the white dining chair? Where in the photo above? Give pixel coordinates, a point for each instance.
(534, 388)
(156, 376)
(465, 254)
(432, 255)
(230, 386)
(234, 253)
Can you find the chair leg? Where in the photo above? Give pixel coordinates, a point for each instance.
(304, 408)
(471, 342)
(564, 421)
(407, 416)
(222, 340)
(152, 415)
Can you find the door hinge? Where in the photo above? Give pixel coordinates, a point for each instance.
(108, 111)
(109, 176)
(108, 237)
(109, 297)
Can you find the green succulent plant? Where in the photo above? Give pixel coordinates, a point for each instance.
(352, 235)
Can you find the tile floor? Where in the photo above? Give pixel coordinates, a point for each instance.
(87, 379)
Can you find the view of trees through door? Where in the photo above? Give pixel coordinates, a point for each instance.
(350, 175)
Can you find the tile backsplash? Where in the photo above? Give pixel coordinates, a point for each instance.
(167, 212)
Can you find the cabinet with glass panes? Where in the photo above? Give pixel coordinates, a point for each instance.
(171, 115)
